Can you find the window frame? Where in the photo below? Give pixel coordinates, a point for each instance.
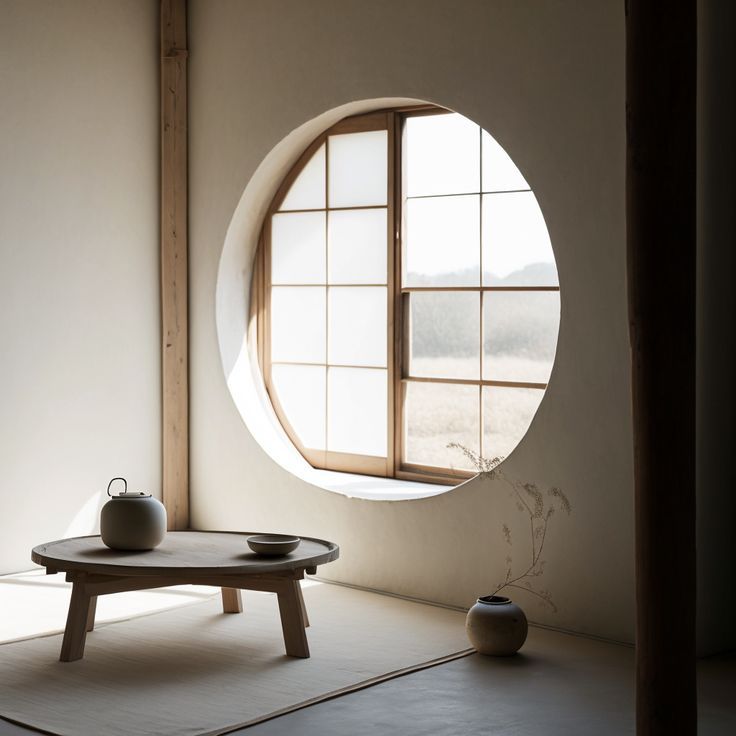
(397, 328)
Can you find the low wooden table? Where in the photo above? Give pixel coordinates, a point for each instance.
(222, 559)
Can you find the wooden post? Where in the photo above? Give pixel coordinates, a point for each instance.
(660, 189)
(174, 277)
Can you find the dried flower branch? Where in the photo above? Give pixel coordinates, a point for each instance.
(532, 502)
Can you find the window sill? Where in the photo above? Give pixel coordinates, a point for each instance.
(370, 487)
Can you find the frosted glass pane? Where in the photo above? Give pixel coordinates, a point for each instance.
(444, 334)
(358, 169)
(520, 334)
(499, 171)
(442, 241)
(516, 246)
(442, 155)
(308, 190)
(507, 414)
(357, 325)
(357, 246)
(298, 324)
(300, 390)
(298, 248)
(357, 411)
(436, 414)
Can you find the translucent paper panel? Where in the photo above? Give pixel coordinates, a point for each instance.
(444, 334)
(520, 334)
(308, 190)
(357, 246)
(516, 246)
(300, 390)
(357, 325)
(442, 155)
(357, 406)
(298, 250)
(358, 169)
(298, 324)
(507, 414)
(499, 171)
(436, 414)
(442, 241)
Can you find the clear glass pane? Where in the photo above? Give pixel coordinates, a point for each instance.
(516, 245)
(358, 169)
(298, 250)
(308, 190)
(442, 155)
(357, 246)
(499, 171)
(357, 325)
(357, 402)
(520, 334)
(436, 414)
(300, 390)
(442, 241)
(298, 324)
(444, 334)
(507, 414)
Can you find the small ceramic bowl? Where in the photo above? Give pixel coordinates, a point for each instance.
(273, 544)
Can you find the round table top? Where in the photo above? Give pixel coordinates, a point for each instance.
(190, 554)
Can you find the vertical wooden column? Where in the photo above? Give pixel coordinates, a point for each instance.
(660, 184)
(174, 276)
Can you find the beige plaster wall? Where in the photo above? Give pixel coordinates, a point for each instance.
(546, 79)
(79, 373)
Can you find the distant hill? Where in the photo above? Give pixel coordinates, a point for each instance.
(533, 274)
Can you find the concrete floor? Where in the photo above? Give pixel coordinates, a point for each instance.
(560, 684)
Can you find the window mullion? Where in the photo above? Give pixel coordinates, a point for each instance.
(395, 404)
(327, 294)
(481, 428)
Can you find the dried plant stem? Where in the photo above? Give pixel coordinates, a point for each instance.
(533, 592)
(530, 500)
(529, 572)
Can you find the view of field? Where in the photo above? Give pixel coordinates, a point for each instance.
(519, 342)
(437, 414)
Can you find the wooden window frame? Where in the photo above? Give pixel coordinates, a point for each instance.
(392, 465)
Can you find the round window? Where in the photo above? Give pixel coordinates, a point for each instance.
(407, 297)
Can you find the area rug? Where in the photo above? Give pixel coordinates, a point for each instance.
(195, 671)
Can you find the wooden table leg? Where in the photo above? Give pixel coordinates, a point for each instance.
(292, 619)
(91, 611)
(232, 600)
(301, 604)
(75, 633)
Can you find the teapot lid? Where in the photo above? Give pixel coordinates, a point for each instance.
(126, 493)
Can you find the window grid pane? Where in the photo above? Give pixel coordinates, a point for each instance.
(436, 414)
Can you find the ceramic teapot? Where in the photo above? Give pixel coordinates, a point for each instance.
(132, 520)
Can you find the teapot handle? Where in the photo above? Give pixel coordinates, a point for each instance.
(112, 481)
